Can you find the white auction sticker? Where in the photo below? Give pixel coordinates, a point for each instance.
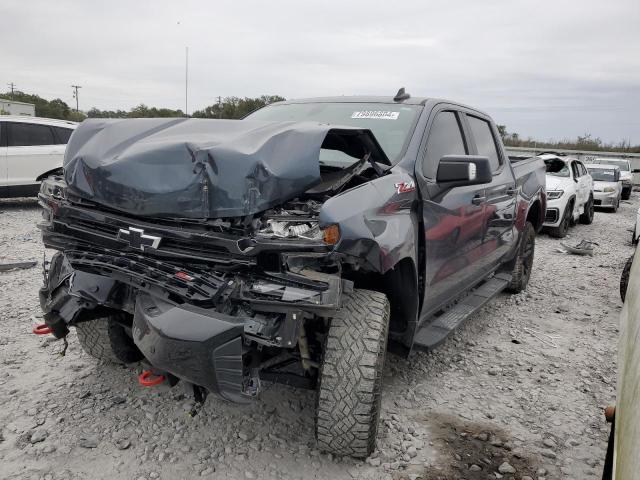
(379, 114)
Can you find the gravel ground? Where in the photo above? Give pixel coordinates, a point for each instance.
(516, 393)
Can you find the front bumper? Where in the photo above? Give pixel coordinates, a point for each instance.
(605, 199)
(194, 344)
(178, 323)
(554, 213)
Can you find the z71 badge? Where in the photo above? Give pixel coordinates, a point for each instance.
(405, 187)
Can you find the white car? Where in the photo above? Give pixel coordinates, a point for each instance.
(569, 194)
(30, 149)
(607, 186)
(626, 174)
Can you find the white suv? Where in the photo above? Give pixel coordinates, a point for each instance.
(569, 194)
(626, 174)
(30, 148)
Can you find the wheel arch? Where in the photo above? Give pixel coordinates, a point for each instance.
(535, 216)
(400, 284)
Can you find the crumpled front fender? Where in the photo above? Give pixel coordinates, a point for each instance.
(378, 222)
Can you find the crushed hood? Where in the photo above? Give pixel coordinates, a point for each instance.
(200, 168)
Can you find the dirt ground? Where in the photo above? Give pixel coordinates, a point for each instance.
(516, 393)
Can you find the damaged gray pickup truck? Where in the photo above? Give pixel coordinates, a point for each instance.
(294, 246)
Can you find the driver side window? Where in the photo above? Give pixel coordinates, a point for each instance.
(445, 138)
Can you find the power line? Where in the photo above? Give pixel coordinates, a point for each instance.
(186, 81)
(12, 86)
(75, 95)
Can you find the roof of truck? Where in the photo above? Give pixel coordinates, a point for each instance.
(358, 99)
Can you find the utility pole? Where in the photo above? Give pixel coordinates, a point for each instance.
(12, 86)
(186, 81)
(75, 95)
(219, 106)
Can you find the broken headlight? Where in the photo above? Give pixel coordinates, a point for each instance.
(291, 229)
(554, 194)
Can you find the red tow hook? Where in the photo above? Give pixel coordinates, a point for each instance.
(42, 329)
(150, 379)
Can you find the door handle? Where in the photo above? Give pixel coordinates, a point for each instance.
(478, 200)
(511, 191)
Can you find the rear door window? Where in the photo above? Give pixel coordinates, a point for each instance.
(485, 142)
(62, 135)
(445, 138)
(29, 134)
(583, 169)
(575, 170)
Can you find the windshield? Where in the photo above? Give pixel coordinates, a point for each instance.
(602, 175)
(623, 164)
(391, 124)
(557, 168)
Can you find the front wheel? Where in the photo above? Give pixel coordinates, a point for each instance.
(561, 230)
(106, 339)
(587, 216)
(626, 194)
(349, 391)
(524, 260)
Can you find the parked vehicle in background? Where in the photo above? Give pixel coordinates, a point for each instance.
(569, 194)
(31, 148)
(626, 174)
(290, 247)
(607, 186)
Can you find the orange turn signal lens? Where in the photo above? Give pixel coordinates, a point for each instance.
(331, 234)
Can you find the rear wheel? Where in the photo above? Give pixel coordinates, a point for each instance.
(524, 260)
(349, 391)
(626, 194)
(561, 230)
(587, 216)
(106, 339)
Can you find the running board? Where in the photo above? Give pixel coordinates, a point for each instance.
(433, 333)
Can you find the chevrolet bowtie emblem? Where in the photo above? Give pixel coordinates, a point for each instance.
(137, 238)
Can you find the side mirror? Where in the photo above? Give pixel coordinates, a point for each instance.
(461, 170)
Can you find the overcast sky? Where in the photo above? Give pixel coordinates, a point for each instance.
(547, 69)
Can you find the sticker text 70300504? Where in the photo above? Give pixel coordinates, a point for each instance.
(377, 114)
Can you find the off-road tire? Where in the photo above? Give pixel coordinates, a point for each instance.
(626, 196)
(524, 260)
(561, 230)
(624, 278)
(349, 390)
(107, 340)
(614, 209)
(587, 216)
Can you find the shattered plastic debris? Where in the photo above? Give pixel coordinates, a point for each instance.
(585, 247)
(5, 267)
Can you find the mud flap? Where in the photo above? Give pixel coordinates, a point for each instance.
(197, 345)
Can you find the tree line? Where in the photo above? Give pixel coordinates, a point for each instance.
(229, 108)
(237, 107)
(584, 142)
